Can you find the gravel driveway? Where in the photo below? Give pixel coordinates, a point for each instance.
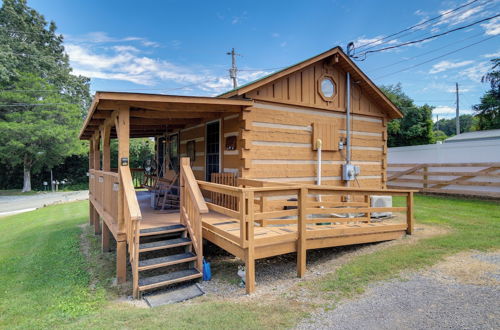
(18, 204)
(463, 292)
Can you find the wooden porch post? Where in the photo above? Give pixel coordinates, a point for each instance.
(106, 152)
(106, 236)
(91, 166)
(106, 166)
(97, 166)
(249, 251)
(301, 242)
(122, 125)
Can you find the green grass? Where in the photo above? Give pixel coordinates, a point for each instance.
(46, 282)
(473, 225)
(43, 277)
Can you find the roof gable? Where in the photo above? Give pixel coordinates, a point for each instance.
(343, 62)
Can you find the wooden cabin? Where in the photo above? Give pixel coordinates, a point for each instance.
(284, 164)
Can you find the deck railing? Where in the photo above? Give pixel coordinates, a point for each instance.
(113, 195)
(103, 190)
(302, 205)
(131, 218)
(192, 206)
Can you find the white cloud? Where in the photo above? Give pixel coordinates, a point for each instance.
(457, 17)
(447, 65)
(497, 54)
(477, 71)
(492, 28)
(102, 37)
(126, 63)
(372, 41)
(443, 109)
(275, 35)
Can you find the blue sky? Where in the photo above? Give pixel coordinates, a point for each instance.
(179, 47)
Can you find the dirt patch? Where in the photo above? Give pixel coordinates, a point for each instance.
(100, 266)
(469, 268)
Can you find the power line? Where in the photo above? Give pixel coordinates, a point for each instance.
(420, 24)
(424, 39)
(425, 53)
(34, 104)
(437, 57)
(425, 33)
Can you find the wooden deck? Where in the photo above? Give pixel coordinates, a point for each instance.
(272, 240)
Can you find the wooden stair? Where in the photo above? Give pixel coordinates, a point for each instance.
(160, 262)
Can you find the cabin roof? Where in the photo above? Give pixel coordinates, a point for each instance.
(345, 63)
(155, 111)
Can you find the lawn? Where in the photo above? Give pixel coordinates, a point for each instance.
(46, 282)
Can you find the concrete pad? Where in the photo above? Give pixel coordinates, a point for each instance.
(174, 295)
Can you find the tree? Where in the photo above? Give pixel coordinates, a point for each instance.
(41, 103)
(37, 129)
(488, 110)
(415, 127)
(448, 126)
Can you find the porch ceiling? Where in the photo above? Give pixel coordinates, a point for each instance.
(150, 114)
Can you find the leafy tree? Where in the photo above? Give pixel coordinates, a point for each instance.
(439, 135)
(41, 103)
(448, 125)
(140, 149)
(37, 130)
(488, 110)
(415, 127)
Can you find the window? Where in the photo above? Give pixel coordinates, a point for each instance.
(190, 150)
(231, 143)
(327, 88)
(173, 152)
(213, 154)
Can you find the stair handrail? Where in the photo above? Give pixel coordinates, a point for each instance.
(192, 206)
(131, 217)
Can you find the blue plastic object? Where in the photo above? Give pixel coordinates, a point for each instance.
(207, 273)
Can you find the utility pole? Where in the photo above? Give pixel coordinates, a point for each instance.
(457, 120)
(234, 70)
(437, 122)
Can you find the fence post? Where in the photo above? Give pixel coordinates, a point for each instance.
(425, 185)
(301, 242)
(409, 213)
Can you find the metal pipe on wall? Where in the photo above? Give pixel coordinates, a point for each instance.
(348, 122)
(348, 119)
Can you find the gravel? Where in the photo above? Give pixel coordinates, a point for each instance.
(421, 301)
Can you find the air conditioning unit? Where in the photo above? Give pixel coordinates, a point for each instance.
(381, 201)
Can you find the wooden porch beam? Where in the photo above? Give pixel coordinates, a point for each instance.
(155, 121)
(160, 106)
(172, 114)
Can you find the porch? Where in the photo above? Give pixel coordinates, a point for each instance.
(252, 220)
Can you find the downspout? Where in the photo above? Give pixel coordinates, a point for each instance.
(319, 144)
(348, 122)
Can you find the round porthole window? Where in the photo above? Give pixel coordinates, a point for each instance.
(327, 87)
